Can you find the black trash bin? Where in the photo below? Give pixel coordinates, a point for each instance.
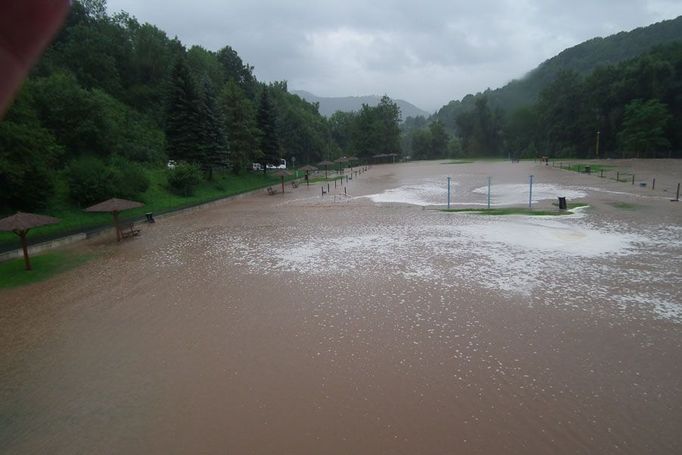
(562, 203)
(150, 217)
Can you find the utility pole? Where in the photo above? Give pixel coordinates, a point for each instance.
(597, 147)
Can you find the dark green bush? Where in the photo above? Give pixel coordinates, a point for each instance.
(184, 178)
(27, 154)
(130, 178)
(90, 180)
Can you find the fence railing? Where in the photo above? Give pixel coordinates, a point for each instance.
(644, 180)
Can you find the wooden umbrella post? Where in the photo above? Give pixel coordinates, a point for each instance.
(116, 226)
(24, 246)
(282, 184)
(20, 223)
(115, 206)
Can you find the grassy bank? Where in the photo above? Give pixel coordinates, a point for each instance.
(156, 199)
(580, 167)
(13, 274)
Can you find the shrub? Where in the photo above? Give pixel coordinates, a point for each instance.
(90, 180)
(130, 178)
(27, 153)
(184, 178)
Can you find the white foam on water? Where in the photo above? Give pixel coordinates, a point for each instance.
(668, 310)
(661, 307)
(431, 192)
(551, 236)
(562, 262)
(513, 194)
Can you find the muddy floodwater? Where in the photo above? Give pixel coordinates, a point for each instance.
(365, 322)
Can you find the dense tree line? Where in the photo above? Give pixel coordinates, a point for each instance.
(583, 59)
(112, 97)
(630, 109)
(373, 130)
(635, 106)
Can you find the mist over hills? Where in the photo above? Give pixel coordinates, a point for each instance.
(582, 58)
(329, 105)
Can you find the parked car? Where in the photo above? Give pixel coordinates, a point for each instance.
(282, 165)
(256, 167)
(171, 164)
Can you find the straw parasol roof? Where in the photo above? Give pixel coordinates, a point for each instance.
(282, 173)
(343, 159)
(20, 223)
(114, 205)
(325, 163)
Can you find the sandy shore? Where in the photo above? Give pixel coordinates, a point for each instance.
(365, 323)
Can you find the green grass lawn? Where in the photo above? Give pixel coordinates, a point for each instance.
(13, 274)
(512, 211)
(571, 205)
(330, 178)
(156, 199)
(580, 167)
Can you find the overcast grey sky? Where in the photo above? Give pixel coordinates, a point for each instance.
(427, 52)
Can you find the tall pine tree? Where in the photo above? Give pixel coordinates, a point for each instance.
(240, 124)
(183, 120)
(212, 141)
(266, 120)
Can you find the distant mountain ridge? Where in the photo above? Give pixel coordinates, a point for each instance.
(329, 105)
(582, 58)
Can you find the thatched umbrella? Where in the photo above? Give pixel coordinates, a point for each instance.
(307, 168)
(282, 173)
(20, 223)
(325, 163)
(114, 206)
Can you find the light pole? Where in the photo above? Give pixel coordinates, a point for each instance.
(449, 179)
(530, 192)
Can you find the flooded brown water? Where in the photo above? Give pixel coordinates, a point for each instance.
(298, 323)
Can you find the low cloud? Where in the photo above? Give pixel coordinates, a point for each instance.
(426, 52)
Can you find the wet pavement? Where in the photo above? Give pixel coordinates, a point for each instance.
(366, 322)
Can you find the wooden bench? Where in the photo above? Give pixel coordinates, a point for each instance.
(128, 230)
(271, 191)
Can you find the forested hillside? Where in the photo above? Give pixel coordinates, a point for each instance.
(582, 59)
(634, 106)
(113, 100)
